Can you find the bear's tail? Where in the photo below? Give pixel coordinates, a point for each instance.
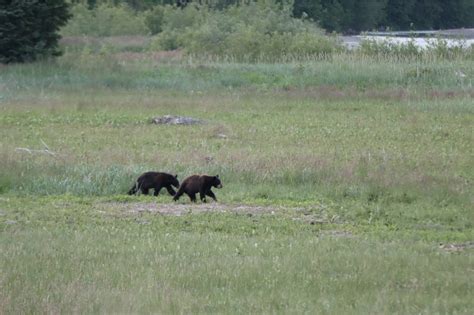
(133, 190)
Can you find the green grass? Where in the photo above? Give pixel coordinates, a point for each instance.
(365, 163)
(72, 254)
(149, 72)
(337, 147)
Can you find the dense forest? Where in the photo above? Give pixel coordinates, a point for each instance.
(348, 16)
(363, 15)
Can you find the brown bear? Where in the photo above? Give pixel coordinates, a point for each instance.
(155, 180)
(201, 184)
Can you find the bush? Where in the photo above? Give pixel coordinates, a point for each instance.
(154, 19)
(105, 20)
(176, 22)
(254, 31)
(169, 40)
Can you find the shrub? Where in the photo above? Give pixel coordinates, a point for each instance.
(253, 31)
(175, 23)
(314, 44)
(169, 40)
(154, 19)
(105, 20)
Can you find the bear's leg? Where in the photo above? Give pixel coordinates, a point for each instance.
(170, 190)
(178, 194)
(211, 194)
(145, 190)
(133, 190)
(156, 191)
(192, 197)
(202, 195)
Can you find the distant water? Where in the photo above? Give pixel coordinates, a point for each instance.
(465, 38)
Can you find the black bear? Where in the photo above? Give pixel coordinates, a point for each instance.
(201, 184)
(155, 180)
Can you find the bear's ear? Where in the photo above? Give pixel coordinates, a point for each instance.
(176, 176)
(217, 176)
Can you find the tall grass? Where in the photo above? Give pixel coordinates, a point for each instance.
(343, 126)
(309, 147)
(229, 264)
(437, 48)
(140, 71)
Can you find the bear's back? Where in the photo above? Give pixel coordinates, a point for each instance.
(192, 183)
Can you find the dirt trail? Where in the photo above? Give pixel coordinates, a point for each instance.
(182, 209)
(313, 215)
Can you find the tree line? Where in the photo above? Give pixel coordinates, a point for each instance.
(350, 16)
(29, 28)
(363, 15)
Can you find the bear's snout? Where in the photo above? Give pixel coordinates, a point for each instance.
(219, 186)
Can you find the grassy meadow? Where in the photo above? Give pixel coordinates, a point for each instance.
(347, 184)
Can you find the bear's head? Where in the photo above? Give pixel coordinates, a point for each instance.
(174, 181)
(216, 182)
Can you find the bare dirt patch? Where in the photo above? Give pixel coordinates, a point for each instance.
(182, 209)
(314, 215)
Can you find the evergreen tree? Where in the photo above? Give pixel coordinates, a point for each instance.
(352, 15)
(367, 14)
(312, 8)
(347, 18)
(397, 14)
(426, 14)
(29, 28)
(456, 13)
(332, 15)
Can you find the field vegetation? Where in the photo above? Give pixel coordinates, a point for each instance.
(347, 182)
